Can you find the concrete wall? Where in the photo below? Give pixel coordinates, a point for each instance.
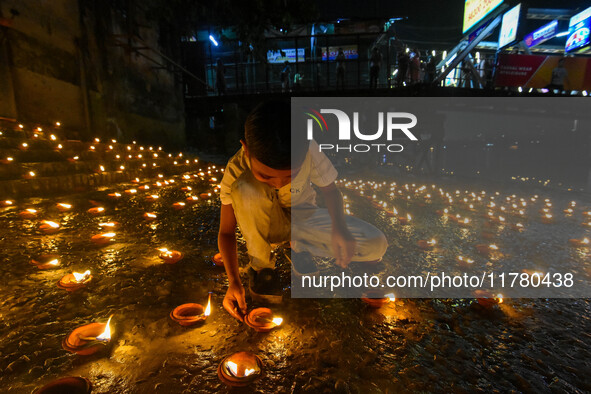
(82, 63)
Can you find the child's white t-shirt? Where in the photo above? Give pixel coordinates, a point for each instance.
(316, 169)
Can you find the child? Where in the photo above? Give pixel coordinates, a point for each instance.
(259, 194)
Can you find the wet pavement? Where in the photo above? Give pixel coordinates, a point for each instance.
(428, 345)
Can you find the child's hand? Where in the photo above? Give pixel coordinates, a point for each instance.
(343, 246)
(234, 301)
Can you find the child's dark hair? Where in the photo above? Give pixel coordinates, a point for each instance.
(268, 137)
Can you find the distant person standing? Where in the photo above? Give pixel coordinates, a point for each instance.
(220, 77)
(285, 77)
(430, 70)
(375, 62)
(340, 59)
(559, 76)
(415, 67)
(403, 62)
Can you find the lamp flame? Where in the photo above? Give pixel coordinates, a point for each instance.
(277, 321)
(81, 277)
(233, 367)
(51, 224)
(391, 296)
(106, 335)
(208, 307)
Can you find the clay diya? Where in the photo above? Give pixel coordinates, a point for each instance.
(63, 207)
(28, 213)
(88, 339)
(426, 245)
(192, 200)
(109, 225)
(517, 227)
(149, 216)
(96, 211)
(6, 203)
(240, 369)
(486, 299)
(102, 239)
(547, 218)
(114, 196)
(191, 314)
(487, 249)
(74, 281)
(580, 242)
(178, 205)
(170, 256)
(130, 191)
(586, 224)
(205, 196)
(46, 261)
(70, 384)
(217, 259)
(465, 222)
(152, 197)
(262, 320)
(49, 227)
(376, 299)
(404, 220)
(464, 261)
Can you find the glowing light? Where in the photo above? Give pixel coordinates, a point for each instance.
(277, 321)
(81, 277)
(207, 311)
(106, 335)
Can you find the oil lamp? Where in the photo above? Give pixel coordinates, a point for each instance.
(102, 239)
(88, 339)
(109, 225)
(547, 218)
(149, 216)
(517, 227)
(404, 220)
(192, 199)
(152, 197)
(63, 207)
(191, 314)
(74, 281)
(178, 205)
(49, 227)
(426, 245)
(130, 191)
(28, 213)
(46, 261)
(487, 249)
(375, 299)
(69, 384)
(240, 369)
(96, 211)
(487, 299)
(464, 261)
(262, 320)
(205, 196)
(114, 195)
(170, 256)
(6, 203)
(217, 260)
(580, 242)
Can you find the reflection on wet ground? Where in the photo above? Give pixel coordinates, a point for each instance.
(331, 345)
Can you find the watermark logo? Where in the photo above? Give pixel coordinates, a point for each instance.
(388, 122)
